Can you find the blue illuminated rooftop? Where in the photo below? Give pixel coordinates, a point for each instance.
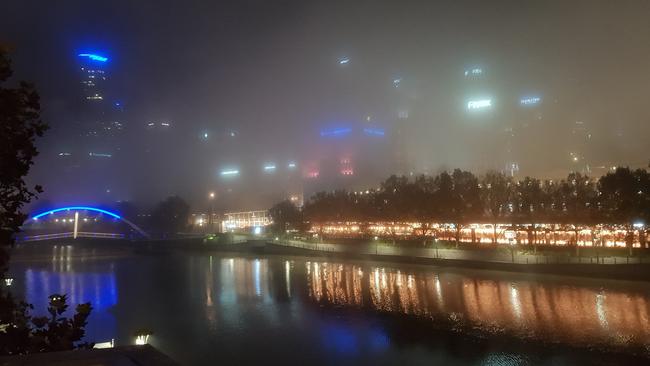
(93, 57)
(336, 132)
(374, 131)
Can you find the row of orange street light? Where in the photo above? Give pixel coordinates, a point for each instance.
(548, 234)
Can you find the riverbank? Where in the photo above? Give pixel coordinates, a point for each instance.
(486, 259)
(607, 268)
(635, 272)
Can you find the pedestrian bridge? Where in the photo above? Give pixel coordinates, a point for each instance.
(80, 234)
(39, 220)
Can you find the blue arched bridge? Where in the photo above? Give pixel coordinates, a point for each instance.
(77, 229)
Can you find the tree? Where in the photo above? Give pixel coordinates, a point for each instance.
(496, 193)
(577, 195)
(390, 203)
(20, 125)
(458, 199)
(285, 215)
(421, 205)
(529, 203)
(624, 198)
(29, 334)
(171, 215)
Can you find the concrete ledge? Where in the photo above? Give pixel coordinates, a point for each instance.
(635, 272)
(119, 356)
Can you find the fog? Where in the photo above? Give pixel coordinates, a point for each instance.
(268, 82)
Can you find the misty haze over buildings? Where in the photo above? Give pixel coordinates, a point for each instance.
(346, 91)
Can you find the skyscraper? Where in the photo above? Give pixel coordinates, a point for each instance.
(101, 116)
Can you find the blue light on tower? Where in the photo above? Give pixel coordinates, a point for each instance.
(229, 172)
(530, 101)
(94, 57)
(374, 131)
(336, 132)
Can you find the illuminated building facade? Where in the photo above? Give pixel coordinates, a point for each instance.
(244, 220)
(101, 117)
(91, 142)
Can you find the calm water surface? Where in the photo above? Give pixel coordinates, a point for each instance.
(233, 309)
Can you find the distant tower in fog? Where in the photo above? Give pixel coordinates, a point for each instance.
(93, 76)
(101, 118)
(580, 140)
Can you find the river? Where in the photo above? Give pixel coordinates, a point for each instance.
(227, 308)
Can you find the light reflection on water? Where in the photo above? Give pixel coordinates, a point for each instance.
(98, 287)
(527, 308)
(232, 303)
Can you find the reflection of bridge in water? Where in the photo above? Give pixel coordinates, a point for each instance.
(41, 225)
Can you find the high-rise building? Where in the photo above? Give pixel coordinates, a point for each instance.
(101, 116)
(580, 141)
(93, 69)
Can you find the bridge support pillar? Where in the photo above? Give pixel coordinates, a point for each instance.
(76, 225)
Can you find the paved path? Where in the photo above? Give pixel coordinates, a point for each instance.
(500, 255)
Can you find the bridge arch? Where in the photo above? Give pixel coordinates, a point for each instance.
(94, 209)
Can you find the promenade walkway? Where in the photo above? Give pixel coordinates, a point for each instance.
(500, 255)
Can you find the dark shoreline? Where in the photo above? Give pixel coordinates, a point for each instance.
(635, 272)
(628, 272)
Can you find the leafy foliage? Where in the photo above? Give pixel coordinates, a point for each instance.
(621, 197)
(20, 125)
(171, 215)
(26, 334)
(285, 216)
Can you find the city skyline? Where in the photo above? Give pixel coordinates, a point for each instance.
(428, 104)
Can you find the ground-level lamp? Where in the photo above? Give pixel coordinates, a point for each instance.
(142, 336)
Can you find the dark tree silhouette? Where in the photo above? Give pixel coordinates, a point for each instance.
(391, 203)
(458, 197)
(496, 194)
(624, 198)
(528, 206)
(20, 125)
(171, 215)
(619, 199)
(285, 215)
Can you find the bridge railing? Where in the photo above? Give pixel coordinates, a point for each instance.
(81, 234)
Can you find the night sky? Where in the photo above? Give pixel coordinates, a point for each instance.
(269, 70)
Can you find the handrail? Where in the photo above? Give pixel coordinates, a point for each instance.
(83, 234)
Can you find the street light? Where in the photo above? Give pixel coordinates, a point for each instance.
(211, 195)
(376, 245)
